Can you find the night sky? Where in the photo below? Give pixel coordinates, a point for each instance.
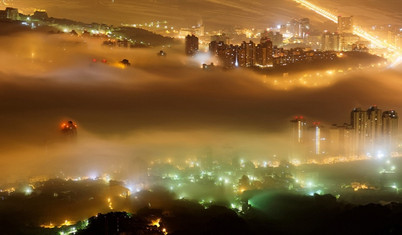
(260, 13)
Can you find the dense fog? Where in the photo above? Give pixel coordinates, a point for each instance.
(157, 108)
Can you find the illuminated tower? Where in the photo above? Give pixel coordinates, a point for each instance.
(298, 136)
(264, 52)
(345, 24)
(390, 129)
(191, 45)
(247, 49)
(317, 138)
(358, 120)
(374, 129)
(298, 128)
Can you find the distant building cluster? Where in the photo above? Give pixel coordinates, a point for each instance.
(371, 132)
(10, 14)
(128, 37)
(299, 31)
(198, 30)
(122, 43)
(299, 27)
(343, 42)
(343, 39)
(249, 54)
(13, 14)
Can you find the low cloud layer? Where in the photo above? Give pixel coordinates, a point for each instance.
(156, 108)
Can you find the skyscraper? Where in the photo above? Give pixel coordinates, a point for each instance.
(390, 129)
(317, 138)
(249, 53)
(298, 129)
(264, 52)
(340, 140)
(191, 45)
(330, 41)
(358, 120)
(374, 128)
(298, 132)
(374, 132)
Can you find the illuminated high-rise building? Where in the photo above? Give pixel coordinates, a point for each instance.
(374, 129)
(263, 52)
(347, 40)
(298, 129)
(330, 41)
(390, 129)
(358, 121)
(340, 140)
(191, 47)
(12, 13)
(230, 56)
(227, 54)
(298, 132)
(249, 53)
(317, 137)
(374, 132)
(214, 46)
(345, 24)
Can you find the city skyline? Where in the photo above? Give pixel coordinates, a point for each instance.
(226, 13)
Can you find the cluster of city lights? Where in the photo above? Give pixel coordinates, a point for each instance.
(356, 29)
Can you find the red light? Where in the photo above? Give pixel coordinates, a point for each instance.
(93, 60)
(104, 61)
(301, 117)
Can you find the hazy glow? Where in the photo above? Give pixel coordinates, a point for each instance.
(356, 29)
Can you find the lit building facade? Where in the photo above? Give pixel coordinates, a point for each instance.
(298, 129)
(330, 41)
(370, 132)
(12, 13)
(191, 45)
(390, 129)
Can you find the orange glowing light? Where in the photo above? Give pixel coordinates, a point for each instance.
(155, 222)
